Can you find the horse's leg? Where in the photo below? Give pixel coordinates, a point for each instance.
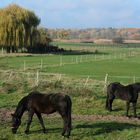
(127, 107)
(109, 105)
(107, 102)
(64, 128)
(134, 108)
(110, 98)
(30, 116)
(110, 101)
(67, 124)
(63, 114)
(41, 121)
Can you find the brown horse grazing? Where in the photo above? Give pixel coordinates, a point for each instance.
(128, 93)
(39, 103)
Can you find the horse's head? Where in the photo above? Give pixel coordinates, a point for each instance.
(15, 123)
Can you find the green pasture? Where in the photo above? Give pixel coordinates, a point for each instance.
(77, 68)
(82, 44)
(82, 130)
(113, 48)
(118, 69)
(85, 102)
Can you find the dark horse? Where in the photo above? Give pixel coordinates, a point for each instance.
(37, 103)
(128, 93)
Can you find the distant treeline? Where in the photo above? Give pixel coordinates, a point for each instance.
(95, 33)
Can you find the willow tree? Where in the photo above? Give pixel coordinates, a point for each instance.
(18, 28)
(44, 36)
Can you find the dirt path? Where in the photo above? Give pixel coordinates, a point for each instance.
(106, 118)
(5, 115)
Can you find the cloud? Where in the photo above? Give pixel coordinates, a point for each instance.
(84, 13)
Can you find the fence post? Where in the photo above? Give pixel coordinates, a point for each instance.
(95, 57)
(86, 58)
(134, 79)
(10, 75)
(61, 62)
(103, 56)
(120, 56)
(24, 65)
(41, 64)
(60, 76)
(105, 84)
(72, 60)
(106, 78)
(81, 59)
(76, 59)
(37, 78)
(28, 76)
(2, 50)
(86, 81)
(115, 56)
(124, 55)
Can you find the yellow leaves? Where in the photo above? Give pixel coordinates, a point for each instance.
(16, 26)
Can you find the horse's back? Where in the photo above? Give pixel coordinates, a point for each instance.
(123, 92)
(47, 103)
(112, 87)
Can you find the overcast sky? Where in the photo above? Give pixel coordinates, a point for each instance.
(83, 13)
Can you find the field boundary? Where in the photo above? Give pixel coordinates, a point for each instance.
(40, 64)
(76, 60)
(79, 81)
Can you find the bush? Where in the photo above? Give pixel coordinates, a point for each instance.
(118, 40)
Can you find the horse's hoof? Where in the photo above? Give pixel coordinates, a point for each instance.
(67, 136)
(14, 131)
(135, 116)
(44, 131)
(128, 116)
(62, 134)
(26, 132)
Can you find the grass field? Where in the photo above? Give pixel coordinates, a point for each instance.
(85, 130)
(90, 119)
(124, 68)
(85, 102)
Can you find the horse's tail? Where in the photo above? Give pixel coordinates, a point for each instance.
(107, 98)
(111, 88)
(107, 101)
(69, 106)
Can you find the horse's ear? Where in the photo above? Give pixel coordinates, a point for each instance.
(12, 115)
